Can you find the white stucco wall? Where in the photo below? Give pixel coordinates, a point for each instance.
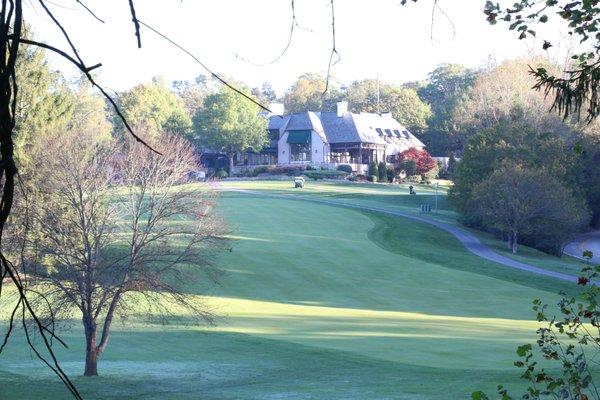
(283, 149)
(319, 149)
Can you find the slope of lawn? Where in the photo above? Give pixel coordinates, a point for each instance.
(317, 302)
(396, 198)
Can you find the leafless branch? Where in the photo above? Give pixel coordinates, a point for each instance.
(93, 14)
(211, 72)
(334, 57)
(136, 23)
(293, 25)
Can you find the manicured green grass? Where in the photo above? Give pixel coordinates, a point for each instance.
(318, 302)
(396, 198)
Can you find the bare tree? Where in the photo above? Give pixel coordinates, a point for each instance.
(93, 244)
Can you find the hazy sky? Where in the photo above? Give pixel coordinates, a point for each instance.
(232, 36)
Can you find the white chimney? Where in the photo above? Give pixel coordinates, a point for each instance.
(277, 108)
(342, 108)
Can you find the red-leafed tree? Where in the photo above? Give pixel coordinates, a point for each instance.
(424, 163)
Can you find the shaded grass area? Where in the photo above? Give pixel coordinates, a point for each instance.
(427, 243)
(239, 366)
(318, 302)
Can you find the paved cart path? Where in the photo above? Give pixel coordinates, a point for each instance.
(468, 240)
(589, 241)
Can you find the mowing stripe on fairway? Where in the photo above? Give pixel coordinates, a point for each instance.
(468, 240)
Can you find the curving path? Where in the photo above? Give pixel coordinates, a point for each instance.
(467, 239)
(589, 241)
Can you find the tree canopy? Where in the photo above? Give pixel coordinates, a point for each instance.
(447, 86)
(517, 200)
(153, 108)
(230, 123)
(308, 94)
(404, 103)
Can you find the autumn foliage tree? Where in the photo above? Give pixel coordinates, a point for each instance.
(423, 162)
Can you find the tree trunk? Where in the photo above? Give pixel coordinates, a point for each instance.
(231, 155)
(513, 242)
(91, 350)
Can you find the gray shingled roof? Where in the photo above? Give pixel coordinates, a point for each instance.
(276, 122)
(350, 128)
(299, 122)
(339, 130)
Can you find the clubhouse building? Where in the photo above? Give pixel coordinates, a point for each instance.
(328, 139)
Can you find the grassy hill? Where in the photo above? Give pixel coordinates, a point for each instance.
(318, 302)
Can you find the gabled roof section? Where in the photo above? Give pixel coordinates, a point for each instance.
(276, 122)
(349, 128)
(299, 122)
(339, 129)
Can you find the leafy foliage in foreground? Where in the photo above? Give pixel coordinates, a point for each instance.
(569, 341)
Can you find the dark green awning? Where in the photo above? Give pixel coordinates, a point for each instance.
(298, 137)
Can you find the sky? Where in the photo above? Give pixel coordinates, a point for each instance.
(238, 38)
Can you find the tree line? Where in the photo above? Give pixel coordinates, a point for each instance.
(488, 117)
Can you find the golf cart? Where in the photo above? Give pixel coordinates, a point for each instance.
(298, 182)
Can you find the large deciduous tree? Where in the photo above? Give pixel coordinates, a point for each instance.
(193, 92)
(309, 93)
(229, 123)
(574, 90)
(404, 103)
(423, 162)
(152, 108)
(447, 86)
(517, 201)
(44, 101)
(504, 93)
(96, 252)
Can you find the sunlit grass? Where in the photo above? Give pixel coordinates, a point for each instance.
(317, 302)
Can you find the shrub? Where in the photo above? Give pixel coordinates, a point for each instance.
(345, 167)
(329, 174)
(221, 174)
(423, 161)
(408, 166)
(314, 175)
(391, 174)
(261, 169)
(372, 178)
(360, 178)
(382, 172)
(373, 170)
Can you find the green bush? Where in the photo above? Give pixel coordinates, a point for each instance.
(391, 174)
(261, 169)
(314, 175)
(345, 167)
(372, 178)
(221, 174)
(329, 174)
(373, 170)
(382, 172)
